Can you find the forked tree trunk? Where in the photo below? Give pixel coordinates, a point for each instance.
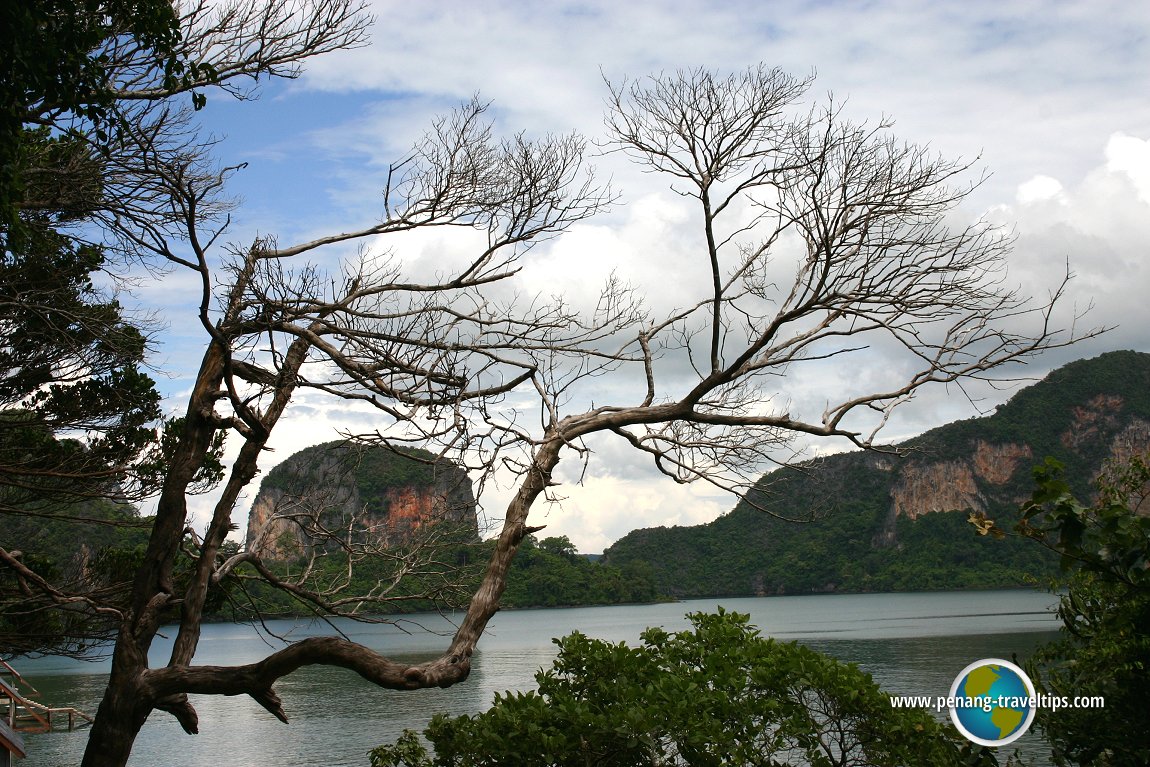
(126, 704)
(134, 691)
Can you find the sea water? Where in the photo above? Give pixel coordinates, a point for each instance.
(913, 644)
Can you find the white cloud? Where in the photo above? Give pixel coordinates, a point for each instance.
(1052, 96)
(602, 510)
(1131, 156)
(645, 243)
(1037, 189)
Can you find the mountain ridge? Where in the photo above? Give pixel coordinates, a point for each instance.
(899, 522)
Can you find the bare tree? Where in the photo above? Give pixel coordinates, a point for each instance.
(860, 220)
(407, 346)
(157, 196)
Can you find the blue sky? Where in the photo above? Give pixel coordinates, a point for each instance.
(1051, 97)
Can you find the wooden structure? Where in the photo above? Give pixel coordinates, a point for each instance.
(18, 714)
(11, 743)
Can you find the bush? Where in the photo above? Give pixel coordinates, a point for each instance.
(1104, 649)
(718, 694)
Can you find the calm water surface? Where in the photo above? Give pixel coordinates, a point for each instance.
(913, 644)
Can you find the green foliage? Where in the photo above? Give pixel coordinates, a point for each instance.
(560, 546)
(77, 438)
(373, 469)
(69, 365)
(1104, 649)
(718, 694)
(155, 463)
(56, 54)
(382, 469)
(84, 557)
(68, 351)
(1107, 538)
(547, 573)
(55, 49)
(447, 583)
(95, 556)
(841, 549)
(551, 573)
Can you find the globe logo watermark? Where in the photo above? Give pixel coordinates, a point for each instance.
(992, 702)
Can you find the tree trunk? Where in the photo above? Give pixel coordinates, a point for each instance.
(122, 712)
(125, 705)
(485, 603)
(134, 690)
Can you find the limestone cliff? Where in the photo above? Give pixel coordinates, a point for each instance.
(931, 487)
(923, 486)
(1131, 440)
(338, 494)
(985, 478)
(1099, 414)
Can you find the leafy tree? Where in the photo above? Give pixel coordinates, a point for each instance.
(72, 365)
(78, 437)
(559, 545)
(81, 433)
(551, 573)
(717, 694)
(56, 56)
(1104, 649)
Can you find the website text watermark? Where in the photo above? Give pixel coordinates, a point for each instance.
(993, 702)
(988, 703)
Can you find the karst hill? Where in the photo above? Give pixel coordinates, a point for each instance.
(885, 521)
(340, 491)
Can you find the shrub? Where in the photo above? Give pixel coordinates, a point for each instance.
(718, 694)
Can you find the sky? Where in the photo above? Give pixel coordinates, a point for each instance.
(1049, 98)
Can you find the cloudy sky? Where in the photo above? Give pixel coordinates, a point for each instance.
(1051, 98)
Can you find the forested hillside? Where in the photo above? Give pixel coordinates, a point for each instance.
(873, 521)
(882, 521)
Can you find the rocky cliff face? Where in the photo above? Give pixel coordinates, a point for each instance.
(986, 476)
(931, 487)
(922, 486)
(1131, 440)
(336, 495)
(1092, 420)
